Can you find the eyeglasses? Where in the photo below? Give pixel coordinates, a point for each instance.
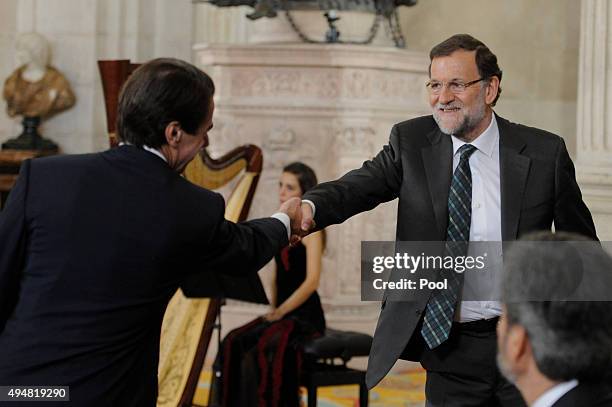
(435, 87)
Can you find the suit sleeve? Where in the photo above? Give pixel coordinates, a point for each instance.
(13, 238)
(244, 247)
(377, 181)
(571, 213)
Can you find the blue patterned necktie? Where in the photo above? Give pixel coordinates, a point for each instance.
(441, 306)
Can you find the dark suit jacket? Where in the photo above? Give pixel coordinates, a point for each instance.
(591, 395)
(93, 247)
(538, 187)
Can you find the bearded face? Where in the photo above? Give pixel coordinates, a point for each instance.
(459, 110)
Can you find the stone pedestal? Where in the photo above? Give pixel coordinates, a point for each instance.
(594, 122)
(331, 107)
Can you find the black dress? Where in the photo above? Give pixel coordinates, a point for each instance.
(260, 362)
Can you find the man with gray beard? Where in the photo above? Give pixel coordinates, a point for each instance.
(461, 174)
(557, 352)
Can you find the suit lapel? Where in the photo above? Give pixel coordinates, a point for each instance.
(438, 163)
(514, 169)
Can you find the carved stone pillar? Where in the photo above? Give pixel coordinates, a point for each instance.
(594, 122)
(331, 107)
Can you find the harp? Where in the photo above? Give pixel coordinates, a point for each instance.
(188, 323)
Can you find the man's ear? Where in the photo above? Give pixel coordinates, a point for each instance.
(492, 90)
(173, 133)
(518, 348)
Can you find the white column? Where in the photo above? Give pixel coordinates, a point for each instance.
(594, 121)
(9, 128)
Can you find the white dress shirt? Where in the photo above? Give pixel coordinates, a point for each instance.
(486, 213)
(553, 395)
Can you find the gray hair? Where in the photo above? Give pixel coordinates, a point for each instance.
(569, 339)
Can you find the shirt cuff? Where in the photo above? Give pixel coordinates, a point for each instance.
(283, 217)
(312, 205)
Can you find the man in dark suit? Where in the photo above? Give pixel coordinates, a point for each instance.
(557, 352)
(94, 246)
(461, 174)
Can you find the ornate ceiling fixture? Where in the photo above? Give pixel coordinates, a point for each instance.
(383, 10)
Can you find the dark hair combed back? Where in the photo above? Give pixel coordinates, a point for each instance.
(305, 175)
(569, 339)
(159, 92)
(486, 61)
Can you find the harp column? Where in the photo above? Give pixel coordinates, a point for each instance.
(594, 121)
(331, 106)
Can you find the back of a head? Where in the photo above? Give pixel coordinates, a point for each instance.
(569, 339)
(159, 92)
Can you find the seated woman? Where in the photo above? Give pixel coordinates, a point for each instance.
(259, 363)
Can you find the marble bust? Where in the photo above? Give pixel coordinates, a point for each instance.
(36, 89)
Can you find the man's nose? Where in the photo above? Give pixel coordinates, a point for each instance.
(446, 96)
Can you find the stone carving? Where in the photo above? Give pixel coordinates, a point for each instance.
(35, 91)
(281, 138)
(355, 142)
(327, 84)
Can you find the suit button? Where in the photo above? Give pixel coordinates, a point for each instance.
(417, 312)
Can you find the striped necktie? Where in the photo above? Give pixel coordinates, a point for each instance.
(442, 303)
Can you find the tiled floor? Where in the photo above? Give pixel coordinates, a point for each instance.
(404, 389)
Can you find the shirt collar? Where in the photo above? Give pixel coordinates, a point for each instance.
(147, 148)
(551, 396)
(485, 143)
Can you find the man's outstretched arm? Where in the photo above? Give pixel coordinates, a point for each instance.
(247, 246)
(377, 181)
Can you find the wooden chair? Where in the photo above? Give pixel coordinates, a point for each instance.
(188, 323)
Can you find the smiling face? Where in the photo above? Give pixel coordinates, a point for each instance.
(288, 187)
(465, 114)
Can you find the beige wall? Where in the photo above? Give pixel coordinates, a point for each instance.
(8, 24)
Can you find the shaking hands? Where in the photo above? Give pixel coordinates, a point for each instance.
(300, 215)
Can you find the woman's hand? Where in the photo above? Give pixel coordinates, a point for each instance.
(274, 315)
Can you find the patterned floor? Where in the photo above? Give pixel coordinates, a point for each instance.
(404, 389)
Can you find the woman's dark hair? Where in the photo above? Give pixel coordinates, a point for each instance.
(486, 61)
(307, 179)
(305, 175)
(159, 92)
